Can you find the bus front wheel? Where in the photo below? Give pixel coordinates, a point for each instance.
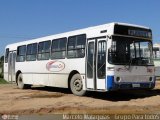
(21, 84)
(76, 85)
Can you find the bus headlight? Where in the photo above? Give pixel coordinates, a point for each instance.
(118, 79)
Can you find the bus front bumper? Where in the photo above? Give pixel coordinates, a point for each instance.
(112, 86)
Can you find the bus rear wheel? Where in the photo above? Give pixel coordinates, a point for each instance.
(76, 85)
(21, 84)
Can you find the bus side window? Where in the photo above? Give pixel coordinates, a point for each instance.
(6, 55)
(31, 52)
(58, 48)
(76, 46)
(21, 53)
(44, 50)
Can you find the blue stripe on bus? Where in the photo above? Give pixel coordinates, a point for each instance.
(110, 82)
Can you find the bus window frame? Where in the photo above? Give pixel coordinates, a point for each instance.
(59, 39)
(45, 51)
(75, 46)
(21, 55)
(32, 51)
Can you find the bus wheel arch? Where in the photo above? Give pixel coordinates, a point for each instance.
(76, 84)
(17, 74)
(71, 75)
(19, 81)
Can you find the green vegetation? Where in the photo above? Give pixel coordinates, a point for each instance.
(1, 75)
(2, 81)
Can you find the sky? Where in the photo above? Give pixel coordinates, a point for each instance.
(27, 19)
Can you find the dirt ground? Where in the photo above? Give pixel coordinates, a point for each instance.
(48, 100)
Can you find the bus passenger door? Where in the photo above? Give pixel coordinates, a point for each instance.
(101, 64)
(11, 66)
(90, 65)
(96, 64)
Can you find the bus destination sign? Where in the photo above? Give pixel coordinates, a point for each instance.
(139, 33)
(133, 31)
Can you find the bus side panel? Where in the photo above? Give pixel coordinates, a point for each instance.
(40, 79)
(58, 80)
(5, 71)
(27, 78)
(61, 77)
(39, 73)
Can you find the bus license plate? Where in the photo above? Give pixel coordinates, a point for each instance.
(135, 85)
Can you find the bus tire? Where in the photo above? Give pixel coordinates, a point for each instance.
(20, 83)
(76, 85)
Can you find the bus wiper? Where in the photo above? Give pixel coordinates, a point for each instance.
(129, 64)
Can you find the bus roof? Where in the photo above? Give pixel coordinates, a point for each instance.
(74, 32)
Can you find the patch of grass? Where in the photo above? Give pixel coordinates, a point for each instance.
(2, 81)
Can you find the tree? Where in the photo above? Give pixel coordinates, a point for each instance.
(2, 59)
(1, 66)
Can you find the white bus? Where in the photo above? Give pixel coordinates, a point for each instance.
(156, 55)
(101, 58)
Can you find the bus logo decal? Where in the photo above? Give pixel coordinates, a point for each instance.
(55, 66)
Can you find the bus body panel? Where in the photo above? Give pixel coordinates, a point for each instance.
(56, 72)
(38, 73)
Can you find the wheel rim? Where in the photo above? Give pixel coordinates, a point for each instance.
(78, 85)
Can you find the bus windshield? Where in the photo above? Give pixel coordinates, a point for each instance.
(130, 51)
